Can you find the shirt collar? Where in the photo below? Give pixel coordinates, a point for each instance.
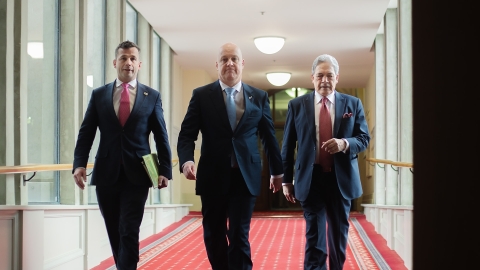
(330, 97)
(131, 83)
(237, 86)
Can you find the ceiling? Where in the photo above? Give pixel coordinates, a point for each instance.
(346, 29)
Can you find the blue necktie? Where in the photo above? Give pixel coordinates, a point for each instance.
(231, 108)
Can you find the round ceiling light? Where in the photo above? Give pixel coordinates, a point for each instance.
(278, 78)
(269, 45)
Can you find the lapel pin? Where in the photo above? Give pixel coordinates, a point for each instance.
(250, 97)
(145, 93)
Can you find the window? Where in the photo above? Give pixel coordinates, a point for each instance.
(131, 23)
(156, 62)
(95, 67)
(42, 99)
(155, 193)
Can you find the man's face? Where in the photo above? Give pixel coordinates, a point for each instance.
(127, 64)
(324, 79)
(230, 64)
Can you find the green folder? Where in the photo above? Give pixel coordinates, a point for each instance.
(150, 163)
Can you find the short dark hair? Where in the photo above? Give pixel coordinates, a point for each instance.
(126, 45)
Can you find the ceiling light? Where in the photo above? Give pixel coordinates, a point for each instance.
(269, 45)
(278, 78)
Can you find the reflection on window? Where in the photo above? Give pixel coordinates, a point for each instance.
(95, 67)
(41, 99)
(131, 23)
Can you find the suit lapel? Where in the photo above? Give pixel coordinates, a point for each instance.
(140, 97)
(339, 109)
(309, 105)
(218, 102)
(109, 101)
(247, 100)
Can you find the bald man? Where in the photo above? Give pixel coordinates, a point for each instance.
(232, 117)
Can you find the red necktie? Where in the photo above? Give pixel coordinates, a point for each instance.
(124, 108)
(325, 133)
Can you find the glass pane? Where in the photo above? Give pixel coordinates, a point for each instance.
(42, 105)
(155, 193)
(131, 23)
(156, 62)
(281, 105)
(95, 67)
(283, 97)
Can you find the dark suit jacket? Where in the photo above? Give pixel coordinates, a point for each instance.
(128, 143)
(207, 113)
(300, 126)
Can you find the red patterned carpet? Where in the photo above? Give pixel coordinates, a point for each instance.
(277, 242)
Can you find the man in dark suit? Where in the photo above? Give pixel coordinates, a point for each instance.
(229, 170)
(330, 130)
(126, 112)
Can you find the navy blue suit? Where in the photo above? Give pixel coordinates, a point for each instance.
(324, 196)
(228, 192)
(120, 178)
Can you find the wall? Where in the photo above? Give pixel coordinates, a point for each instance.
(369, 106)
(67, 237)
(184, 82)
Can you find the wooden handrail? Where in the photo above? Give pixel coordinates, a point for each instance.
(23, 170)
(37, 168)
(394, 163)
(43, 168)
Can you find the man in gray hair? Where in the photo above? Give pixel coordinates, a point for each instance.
(333, 125)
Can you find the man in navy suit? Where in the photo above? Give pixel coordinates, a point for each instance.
(324, 184)
(125, 112)
(229, 170)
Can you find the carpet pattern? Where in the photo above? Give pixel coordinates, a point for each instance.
(277, 242)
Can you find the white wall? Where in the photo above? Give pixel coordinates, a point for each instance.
(66, 236)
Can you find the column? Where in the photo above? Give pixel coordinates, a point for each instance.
(405, 97)
(166, 90)
(379, 129)
(391, 102)
(115, 29)
(70, 95)
(7, 84)
(406, 122)
(144, 33)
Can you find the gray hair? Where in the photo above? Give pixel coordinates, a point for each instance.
(326, 58)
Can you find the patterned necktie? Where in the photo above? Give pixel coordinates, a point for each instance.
(231, 108)
(325, 133)
(124, 108)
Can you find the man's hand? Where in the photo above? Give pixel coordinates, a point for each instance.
(276, 183)
(288, 192)
(334, 145)
(80, 177)
(189, 171)
(162, 181)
